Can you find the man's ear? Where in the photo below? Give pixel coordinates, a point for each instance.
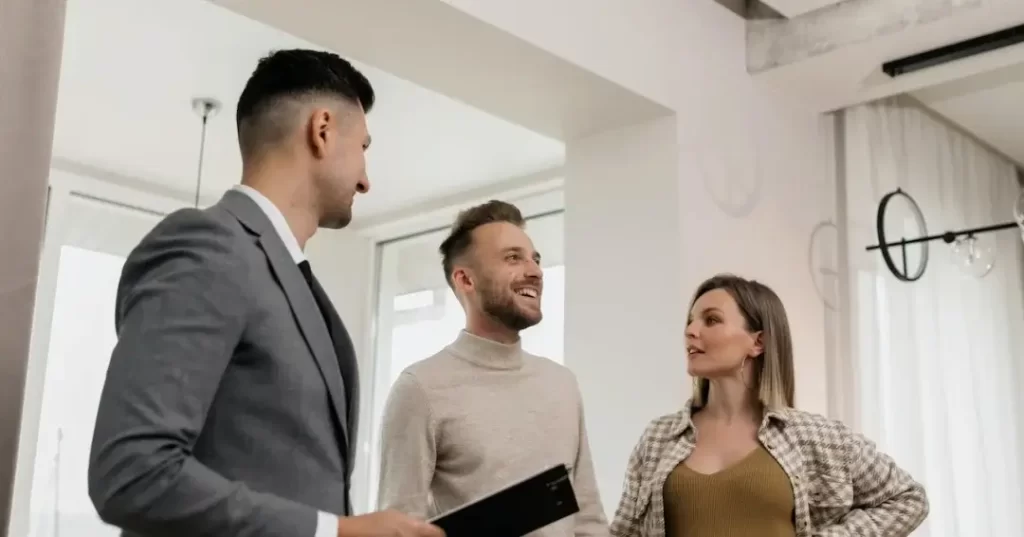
(319, 131)
(462, 279)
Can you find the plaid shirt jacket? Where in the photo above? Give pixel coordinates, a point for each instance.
(842, 486)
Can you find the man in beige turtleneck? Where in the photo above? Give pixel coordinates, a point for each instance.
(482, 413)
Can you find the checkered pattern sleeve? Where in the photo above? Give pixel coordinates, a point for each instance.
(627, 522)
(887, 501)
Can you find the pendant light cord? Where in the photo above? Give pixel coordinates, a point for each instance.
(202, 151)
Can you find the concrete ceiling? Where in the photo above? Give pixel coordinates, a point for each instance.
(131, 67)
(989, 105)
(831, 58)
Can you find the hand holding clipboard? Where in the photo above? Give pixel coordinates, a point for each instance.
(515, 510)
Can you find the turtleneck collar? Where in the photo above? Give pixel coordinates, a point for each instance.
(487, 353)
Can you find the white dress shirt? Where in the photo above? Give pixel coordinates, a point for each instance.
(326, 523)
(277, 220)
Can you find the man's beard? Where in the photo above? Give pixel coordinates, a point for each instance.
(337, 216)
(500, 304)
(334, 207)
(337, 220)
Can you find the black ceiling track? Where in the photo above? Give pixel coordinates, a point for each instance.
(956, 51)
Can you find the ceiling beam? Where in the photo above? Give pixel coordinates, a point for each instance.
(738, 7)
(795, 8)
(773, 43)
(472, 62)
(750, 9)
(426, 214)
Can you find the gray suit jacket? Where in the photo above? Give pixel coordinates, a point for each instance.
(228, 410)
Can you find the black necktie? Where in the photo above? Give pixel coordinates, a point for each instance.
(323, 304)
(307, 272)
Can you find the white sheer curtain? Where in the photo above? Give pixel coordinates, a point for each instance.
(937, 364)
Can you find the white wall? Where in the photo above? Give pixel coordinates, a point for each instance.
(623, 321)
(343, 262)
(751, 178)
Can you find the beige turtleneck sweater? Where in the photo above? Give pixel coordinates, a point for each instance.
(478, 416)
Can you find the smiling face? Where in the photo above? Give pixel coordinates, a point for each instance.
(718, 340)
(501, 277)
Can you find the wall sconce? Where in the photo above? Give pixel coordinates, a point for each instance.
(970, 251)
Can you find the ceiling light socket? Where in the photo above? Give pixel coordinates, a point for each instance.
(205, 107)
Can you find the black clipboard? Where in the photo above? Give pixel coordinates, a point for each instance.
(516, 510)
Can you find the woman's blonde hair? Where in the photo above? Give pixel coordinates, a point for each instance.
(763, 311)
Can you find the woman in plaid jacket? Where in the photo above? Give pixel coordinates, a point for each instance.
(758, 466)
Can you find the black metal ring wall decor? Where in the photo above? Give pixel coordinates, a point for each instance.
(947, 237)
(883, 205)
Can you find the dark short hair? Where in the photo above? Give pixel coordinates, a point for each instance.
(294, 74)
(460, 239)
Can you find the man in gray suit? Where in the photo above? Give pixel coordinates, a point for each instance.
(231, 401)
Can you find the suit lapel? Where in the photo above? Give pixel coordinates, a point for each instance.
(310, 321)
(300, 298)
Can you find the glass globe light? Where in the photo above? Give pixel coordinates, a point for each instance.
(974, 256)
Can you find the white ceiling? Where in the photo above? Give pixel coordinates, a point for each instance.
(989, 105)
(131, 68)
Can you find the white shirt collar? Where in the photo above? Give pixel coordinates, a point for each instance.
(277, 220)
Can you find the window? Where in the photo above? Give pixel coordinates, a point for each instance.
(81, 339)
(418, 314)
(87, 241)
